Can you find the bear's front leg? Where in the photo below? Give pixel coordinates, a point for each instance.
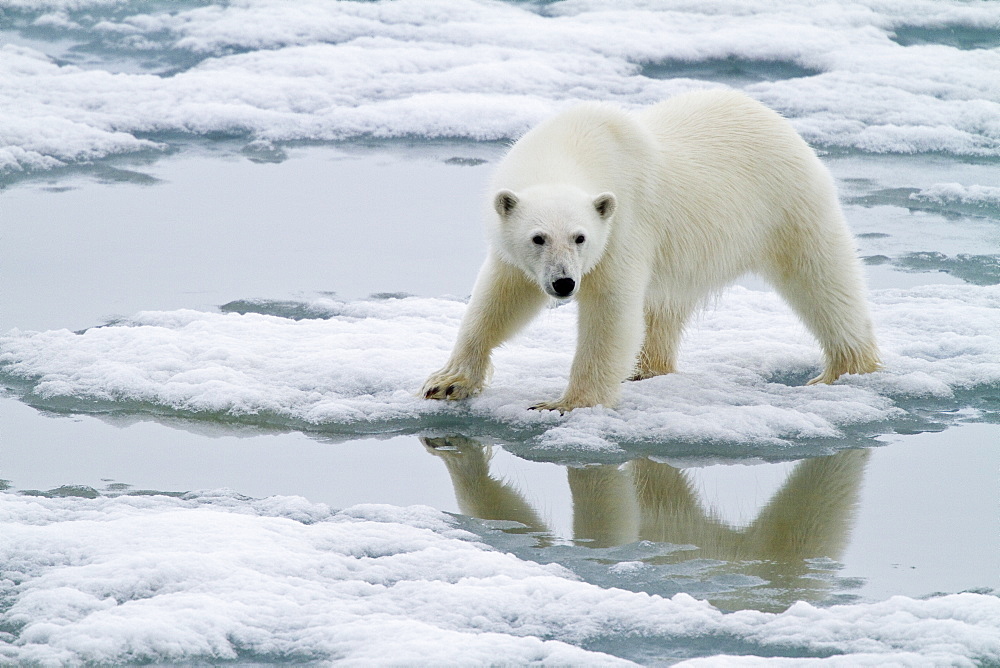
(610, 334)
(503, 301)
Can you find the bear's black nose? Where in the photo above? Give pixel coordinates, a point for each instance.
(563, 286)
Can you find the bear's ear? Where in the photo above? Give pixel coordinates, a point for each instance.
(605, 203)
(504, 202)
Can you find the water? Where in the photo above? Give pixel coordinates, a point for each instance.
(204, 228)
(907, 510)
(264, 488)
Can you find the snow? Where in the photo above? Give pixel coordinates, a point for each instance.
(477, 69)
(358, 370)
(944, 193)
(215, 576)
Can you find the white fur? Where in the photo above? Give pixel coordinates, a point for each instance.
(673, 203)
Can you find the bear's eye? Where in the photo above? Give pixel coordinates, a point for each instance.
(580, 238)
(538, 239)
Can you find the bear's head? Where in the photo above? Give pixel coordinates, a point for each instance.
(554, 233)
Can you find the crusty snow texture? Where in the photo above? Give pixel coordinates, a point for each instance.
(319, 70)
(217, 576)
(741, 368)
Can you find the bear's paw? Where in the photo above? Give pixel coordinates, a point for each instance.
(562, 405)
(446, 384)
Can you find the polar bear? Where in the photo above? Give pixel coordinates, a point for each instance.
(643, 216)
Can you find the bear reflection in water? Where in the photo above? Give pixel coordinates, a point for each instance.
(808, 518)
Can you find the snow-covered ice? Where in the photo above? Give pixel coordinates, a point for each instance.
(972, 199)
(214, 576)
(480, 70)
(358, 369)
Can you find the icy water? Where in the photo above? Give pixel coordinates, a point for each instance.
(234, 238)
(909, 514)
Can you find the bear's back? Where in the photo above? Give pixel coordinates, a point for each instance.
(722, 132)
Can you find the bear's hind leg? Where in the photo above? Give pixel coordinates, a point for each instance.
(664, 327)
(823, 283)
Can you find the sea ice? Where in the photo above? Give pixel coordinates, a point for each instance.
(358, 370)
(482, 70)
(985, 196)
(215, 576)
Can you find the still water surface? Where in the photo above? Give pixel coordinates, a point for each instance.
(915, 514)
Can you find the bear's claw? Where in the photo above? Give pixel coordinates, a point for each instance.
(449, 386)
(565, 404)
(560, 406)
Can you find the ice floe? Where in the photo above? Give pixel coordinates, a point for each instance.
(972, 199)
(70, 90)
(357, 370)
(214, 576)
